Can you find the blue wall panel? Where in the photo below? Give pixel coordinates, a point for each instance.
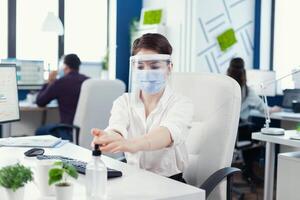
(126, 11)
(256, 56)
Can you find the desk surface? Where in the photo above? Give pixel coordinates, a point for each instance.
(284, 139)
(135, 183)
(25, 106)
(288, 116)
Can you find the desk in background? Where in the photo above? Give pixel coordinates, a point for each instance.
(283, 116)
(288, 121)
(32, 117)
(27, 107)
(270, 156)
(134, 184)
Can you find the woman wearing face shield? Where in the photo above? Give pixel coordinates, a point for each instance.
(150, 123)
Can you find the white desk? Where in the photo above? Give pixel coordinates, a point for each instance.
(270, 156)
(135, 183)
(286, 116)
(27, 107)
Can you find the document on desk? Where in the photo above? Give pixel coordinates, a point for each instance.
(47, 141)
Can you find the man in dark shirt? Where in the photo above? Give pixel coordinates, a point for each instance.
(66, 91)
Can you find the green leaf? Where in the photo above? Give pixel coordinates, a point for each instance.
(58, 163)
(71, 171)
(55, 175)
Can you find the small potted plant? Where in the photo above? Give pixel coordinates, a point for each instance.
(105, 62)
(59, 175)
(13, 178)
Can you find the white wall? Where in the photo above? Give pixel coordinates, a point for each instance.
(265, 34)
(112, 43)
(286, 41)
(193, 26)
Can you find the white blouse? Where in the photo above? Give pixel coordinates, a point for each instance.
(173, 111)
(250, 102)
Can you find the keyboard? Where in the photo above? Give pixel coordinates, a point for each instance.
(288, 110)
(80, 166)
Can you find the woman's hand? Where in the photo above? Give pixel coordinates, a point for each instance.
(113, 142)
(104, 138)
(122, 145)
(52, 76)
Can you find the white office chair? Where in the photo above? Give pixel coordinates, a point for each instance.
(94, 106)
(217, 101)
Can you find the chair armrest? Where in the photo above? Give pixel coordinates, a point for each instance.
(217, 177)
(68, 126)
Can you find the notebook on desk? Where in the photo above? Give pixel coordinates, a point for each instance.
(46, 141)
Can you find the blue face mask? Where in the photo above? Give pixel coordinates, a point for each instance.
(150, 81)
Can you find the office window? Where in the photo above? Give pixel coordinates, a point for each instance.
(3, 28)
(33, 43)
(286, 40)
(86, 28)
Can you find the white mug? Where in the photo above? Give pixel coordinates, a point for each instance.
(41, 177)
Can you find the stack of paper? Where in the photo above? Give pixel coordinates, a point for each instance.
(31, 141)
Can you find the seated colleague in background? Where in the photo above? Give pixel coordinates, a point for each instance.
(150, 124)
(66, 91)
(250, 100)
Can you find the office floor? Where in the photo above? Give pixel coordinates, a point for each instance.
(250, 193)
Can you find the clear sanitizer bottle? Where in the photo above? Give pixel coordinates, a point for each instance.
(96, 177)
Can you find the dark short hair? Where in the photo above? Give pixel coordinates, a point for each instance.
(152, 41)
(236, 70)
(72, 61)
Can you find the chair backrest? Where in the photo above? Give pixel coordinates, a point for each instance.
(94, 106)
(210, 143)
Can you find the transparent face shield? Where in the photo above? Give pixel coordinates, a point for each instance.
(149, 73)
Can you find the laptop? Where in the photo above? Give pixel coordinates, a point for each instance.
(290, 95)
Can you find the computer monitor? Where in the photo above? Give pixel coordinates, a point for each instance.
(29, 72)
(9, 103)
(290, 95)
(91, 69)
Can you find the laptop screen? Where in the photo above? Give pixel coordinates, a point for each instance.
(290, 95)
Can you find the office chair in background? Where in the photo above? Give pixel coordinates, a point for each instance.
(211, 141)
(93, 109)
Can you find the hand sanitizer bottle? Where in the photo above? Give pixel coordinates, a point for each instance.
(96, 177)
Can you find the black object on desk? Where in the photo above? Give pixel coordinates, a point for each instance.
(296, 106)
(80, 166)
(34, 152)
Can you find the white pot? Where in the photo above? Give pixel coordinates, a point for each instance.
(17, 195)
(64, 192)
(41, 177)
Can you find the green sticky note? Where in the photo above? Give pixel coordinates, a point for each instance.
(226, 39)
(152, 17)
